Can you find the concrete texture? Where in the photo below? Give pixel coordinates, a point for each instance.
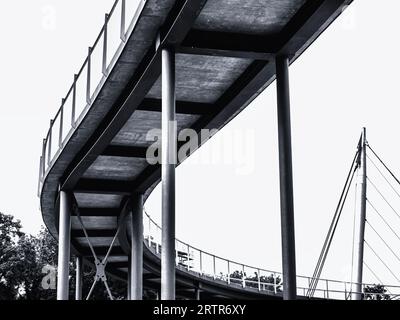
(261, 17)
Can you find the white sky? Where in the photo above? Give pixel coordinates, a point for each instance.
(346, 80)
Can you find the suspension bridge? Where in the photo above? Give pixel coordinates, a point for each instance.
(195, 64)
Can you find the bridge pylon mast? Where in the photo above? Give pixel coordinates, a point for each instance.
(362, 205)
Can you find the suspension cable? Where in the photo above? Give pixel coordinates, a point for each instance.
(373, 273)
(332, 228)
(386, 244)
(383, 219)
(381, 161)
(331, 232)
(381, 260)
(383, 176)
(383, 197)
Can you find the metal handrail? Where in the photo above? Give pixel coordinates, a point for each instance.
(62, 133)
(186, 259)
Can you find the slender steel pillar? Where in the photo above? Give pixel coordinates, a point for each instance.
(286, 179)
(64, 246)
(362, 206)
(197, 294)
(136, 278)
(169, 152)
(79, 278)
(129, 295)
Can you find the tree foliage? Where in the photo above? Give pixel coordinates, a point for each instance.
(25, 261)
(11, 267)
(253, 281)
(375, 292)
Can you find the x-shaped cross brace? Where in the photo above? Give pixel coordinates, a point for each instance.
(99, 264)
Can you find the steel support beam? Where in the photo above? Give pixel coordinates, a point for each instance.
(64, 243)
(125, 152)
(227, 44)
(182, 107)
(129, 293)
(136, 260)
(169, 152)
(362, 207)
(97, 212)
(78, 278)
(286, 179)
(104, 233)
(102, 251)
(98, 186)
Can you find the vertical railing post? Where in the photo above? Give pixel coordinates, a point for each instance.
(229, 273)
(275, 289)
(105, 39)
(40, 175)
(147, 217)
(243, 278)
(40, 168)
(201, 262)
(44, 158)
(89, 67)
(259, 279)
(73, 124)
(176, 253)
(327, 289)
(50, 142)
(214, 268)
(188, 257)
(123, 17)
(60, 138)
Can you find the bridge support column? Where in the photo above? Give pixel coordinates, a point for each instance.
(286, 179)
(169, 153)
(362, 200)
(128, 294)
(64, 241)
(197, 294)
(136, 266)
(79, 278)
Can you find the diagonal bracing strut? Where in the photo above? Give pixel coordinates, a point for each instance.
(99, 264)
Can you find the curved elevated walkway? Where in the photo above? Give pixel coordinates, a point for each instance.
(96, 145)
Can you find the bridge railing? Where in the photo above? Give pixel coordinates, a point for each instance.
(212, 267)
(87, 82)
